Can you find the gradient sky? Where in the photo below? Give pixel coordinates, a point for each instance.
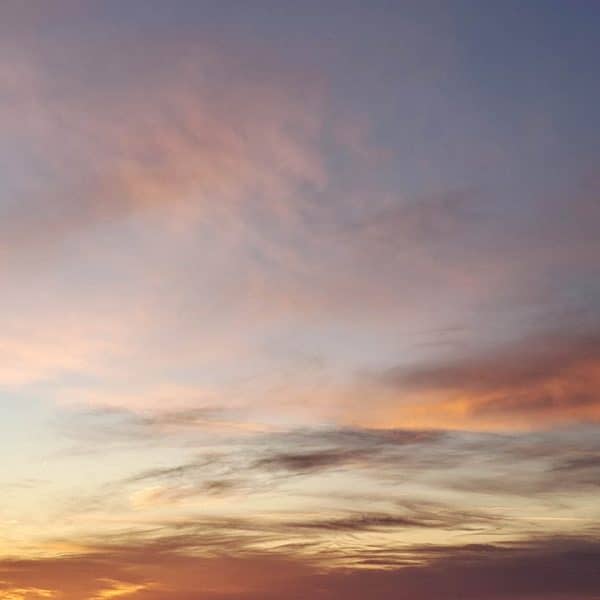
(299, 300)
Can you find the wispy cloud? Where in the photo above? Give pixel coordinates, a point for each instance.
(191, 129)
(542, 380)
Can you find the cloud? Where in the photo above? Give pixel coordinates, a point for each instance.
(580, 463)
(528, 362)
(180, 126)
(164, 570)
(305, 462)
(10, 592)
(419, 515)
(226, 459)
(538, 571)
(340, 482)
(540, 381)
(172, 494)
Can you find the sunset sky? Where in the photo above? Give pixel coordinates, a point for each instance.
(300, 300)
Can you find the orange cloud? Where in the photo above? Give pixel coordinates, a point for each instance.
(549, 568)
(541, 381)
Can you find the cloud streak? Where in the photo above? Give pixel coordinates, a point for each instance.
(542, 380)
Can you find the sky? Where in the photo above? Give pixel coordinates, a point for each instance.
(299, 300)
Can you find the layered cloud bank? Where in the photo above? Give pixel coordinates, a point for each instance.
(159, 570)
